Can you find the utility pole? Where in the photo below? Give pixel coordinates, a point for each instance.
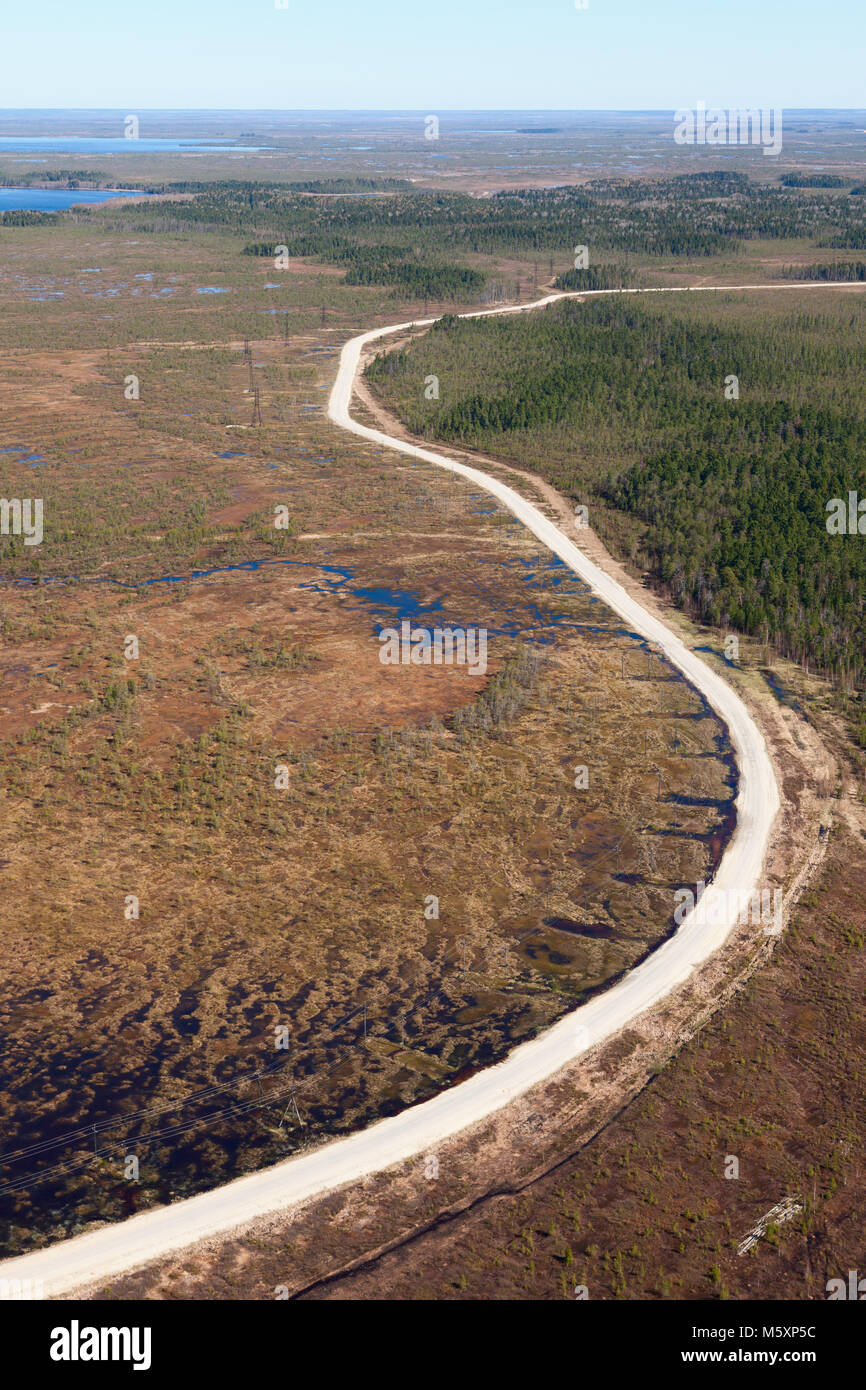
(291, 1103)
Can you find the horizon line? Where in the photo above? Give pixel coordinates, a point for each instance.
(414, 111)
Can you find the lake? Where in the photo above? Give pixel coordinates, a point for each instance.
(57, 199)
(97, 144)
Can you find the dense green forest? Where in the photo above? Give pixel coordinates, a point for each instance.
(840, 270)
(383, 265)
(812, 181)
(624, 405)
(596, 277)
(70, 178)
(22, 217)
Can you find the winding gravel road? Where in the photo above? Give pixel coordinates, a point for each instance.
(101, 1255)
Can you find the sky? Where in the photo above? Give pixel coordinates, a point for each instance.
(433, 55)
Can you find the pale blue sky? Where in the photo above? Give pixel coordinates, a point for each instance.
(433, 55)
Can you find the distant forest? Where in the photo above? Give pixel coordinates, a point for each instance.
(840, 270)
(812, 181)
(416, 241)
